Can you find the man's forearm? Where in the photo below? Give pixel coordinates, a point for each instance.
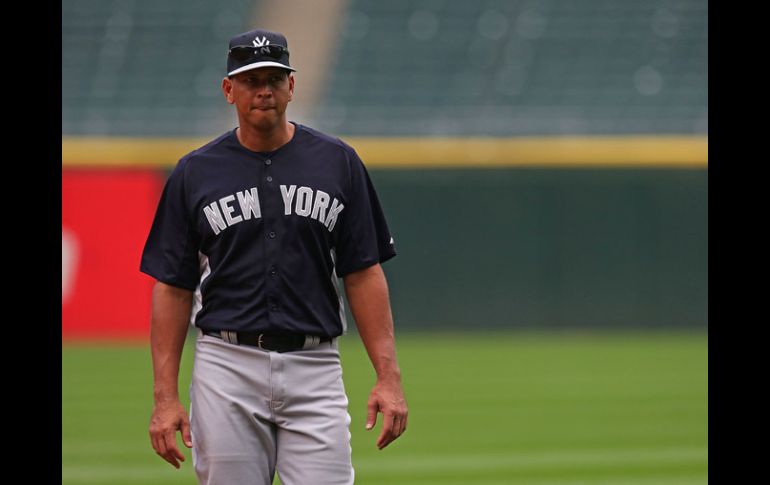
(367, 292)
(171, 308)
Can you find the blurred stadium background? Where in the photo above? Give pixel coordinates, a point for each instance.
(543, 167)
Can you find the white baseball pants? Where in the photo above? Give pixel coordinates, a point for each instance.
(253, 412)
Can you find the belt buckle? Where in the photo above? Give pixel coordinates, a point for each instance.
(259, 341)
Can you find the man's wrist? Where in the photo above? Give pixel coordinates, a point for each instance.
(390, 375)
(164, 396)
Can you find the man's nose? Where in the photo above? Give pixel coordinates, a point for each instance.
(264, 89)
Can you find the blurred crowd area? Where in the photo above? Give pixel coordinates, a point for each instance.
(401, 67)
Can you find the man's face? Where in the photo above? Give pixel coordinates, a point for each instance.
(260, 96)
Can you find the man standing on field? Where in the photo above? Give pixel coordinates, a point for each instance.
(250, 236)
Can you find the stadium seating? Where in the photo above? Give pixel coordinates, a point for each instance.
(149, 68)
(402, 67)
(499, 67)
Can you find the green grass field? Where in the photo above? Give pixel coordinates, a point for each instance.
(486, 408)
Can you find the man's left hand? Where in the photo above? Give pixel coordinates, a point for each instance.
(387, 397)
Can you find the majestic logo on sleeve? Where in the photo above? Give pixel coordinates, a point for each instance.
(301, 201)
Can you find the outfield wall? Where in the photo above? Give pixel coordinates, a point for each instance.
(519, 246)
(106, 215)
(548, 248)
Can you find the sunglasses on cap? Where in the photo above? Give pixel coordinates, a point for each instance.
(243, 53)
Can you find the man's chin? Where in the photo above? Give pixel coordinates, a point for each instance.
(264, 120)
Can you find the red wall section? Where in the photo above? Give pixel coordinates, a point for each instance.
(106, 217)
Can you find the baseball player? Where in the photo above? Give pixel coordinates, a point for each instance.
(251, 233)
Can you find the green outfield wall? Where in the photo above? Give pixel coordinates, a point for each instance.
(535, 233)
(547, 248)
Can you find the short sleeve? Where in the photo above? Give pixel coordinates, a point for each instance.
(364, 238)
(171, 252)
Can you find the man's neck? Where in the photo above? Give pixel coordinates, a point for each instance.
(261, 141)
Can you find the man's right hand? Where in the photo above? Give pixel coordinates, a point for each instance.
(168, 417)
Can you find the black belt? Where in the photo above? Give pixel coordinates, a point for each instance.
(278, 342)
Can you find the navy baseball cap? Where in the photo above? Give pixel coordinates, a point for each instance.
(257, 48)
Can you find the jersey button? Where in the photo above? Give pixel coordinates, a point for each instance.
(273, 271)
(271, 234)
(268, 161)
(269, 178)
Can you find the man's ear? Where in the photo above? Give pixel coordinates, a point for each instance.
(227, 89)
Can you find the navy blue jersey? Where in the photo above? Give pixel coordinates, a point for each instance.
(262, 237)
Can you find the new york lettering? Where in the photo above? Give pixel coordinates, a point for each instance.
(302, 201)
